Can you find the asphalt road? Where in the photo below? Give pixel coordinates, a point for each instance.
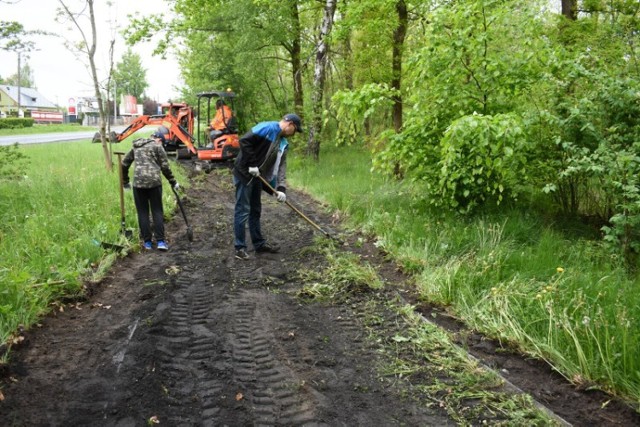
(43, 138)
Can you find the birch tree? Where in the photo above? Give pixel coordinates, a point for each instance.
(313, 146)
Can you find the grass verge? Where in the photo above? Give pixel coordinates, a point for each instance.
(53, 217)
(36, 129)
(548, 290)
(433, 371)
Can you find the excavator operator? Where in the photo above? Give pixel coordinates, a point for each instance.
(221, 122)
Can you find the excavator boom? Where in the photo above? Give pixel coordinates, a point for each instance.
(177, 125)
(177, 121)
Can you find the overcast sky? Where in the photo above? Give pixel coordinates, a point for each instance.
(58, 75)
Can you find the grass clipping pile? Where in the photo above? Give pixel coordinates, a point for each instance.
(312, 335)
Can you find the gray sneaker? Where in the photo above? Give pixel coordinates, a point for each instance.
(242, 254)
(268, 247)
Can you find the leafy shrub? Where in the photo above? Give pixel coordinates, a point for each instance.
(16, 123)
(354, 110)
(482, 159)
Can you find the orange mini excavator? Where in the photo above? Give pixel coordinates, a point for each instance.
(177, 124)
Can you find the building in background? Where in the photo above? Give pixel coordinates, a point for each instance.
(26, 101)
(30, 100)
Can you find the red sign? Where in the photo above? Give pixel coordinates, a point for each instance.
(130, 104)
(72, 106)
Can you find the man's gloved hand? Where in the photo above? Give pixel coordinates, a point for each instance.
(126, 186)
(280, 196)
(253, 170)
(176, 186)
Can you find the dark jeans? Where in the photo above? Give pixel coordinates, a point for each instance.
(149, 200)
(248, 207)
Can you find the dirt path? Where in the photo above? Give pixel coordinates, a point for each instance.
(196, 337)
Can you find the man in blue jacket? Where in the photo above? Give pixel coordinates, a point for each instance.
(263, 151)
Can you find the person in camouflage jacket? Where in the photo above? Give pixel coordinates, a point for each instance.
(150, 161)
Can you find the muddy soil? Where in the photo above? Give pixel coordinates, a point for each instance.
(195, 337)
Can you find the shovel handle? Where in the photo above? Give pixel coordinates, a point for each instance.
(121, 180)
(296, 210)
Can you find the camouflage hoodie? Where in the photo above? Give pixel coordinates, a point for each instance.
(150, 159)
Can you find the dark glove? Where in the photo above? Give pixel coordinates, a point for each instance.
(126, 186)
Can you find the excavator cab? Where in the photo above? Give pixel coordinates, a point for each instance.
(216, 144)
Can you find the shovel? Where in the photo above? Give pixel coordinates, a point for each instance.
(316, 226)
(123, 226)
(184, 215)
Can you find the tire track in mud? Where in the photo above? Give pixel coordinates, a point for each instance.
(235, 347)
(188, 344)
(274, 390)
(197, 338)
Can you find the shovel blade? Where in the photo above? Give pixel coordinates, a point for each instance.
(111, 246)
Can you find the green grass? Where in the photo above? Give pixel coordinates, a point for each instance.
(36, 129)
(510, 274)
(52, 220)
(345, 274)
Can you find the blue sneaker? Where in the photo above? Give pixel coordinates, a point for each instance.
(147, 245)
(162, 245)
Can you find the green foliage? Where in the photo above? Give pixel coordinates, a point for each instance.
(130, 76)
(353, 109)
(10, 34)
(344, 276)
(16, 123)
(364, 37)
(12, 162)
(482, 158)
(541, 287)
(246, 46)
(45, 128)
(476, 57)
(586, 126)
(26, 77)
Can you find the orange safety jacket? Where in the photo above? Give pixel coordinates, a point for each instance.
(221, 120)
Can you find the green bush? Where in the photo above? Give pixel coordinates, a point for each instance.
(482, 159)
(15, 123)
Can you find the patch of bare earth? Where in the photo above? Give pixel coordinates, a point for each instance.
(195, 337)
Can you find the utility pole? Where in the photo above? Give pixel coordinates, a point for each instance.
(19, 81)
(115, 102)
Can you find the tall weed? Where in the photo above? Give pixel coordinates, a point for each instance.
(516, 276)
(52, 221)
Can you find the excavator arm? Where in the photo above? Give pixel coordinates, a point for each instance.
(135, 126)
(181, 133)
(168, 121)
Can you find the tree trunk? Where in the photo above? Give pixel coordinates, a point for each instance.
(399, 35)
(90, 50)
(570, 9)
(313, 146)
(296, 61)
(348, 57)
